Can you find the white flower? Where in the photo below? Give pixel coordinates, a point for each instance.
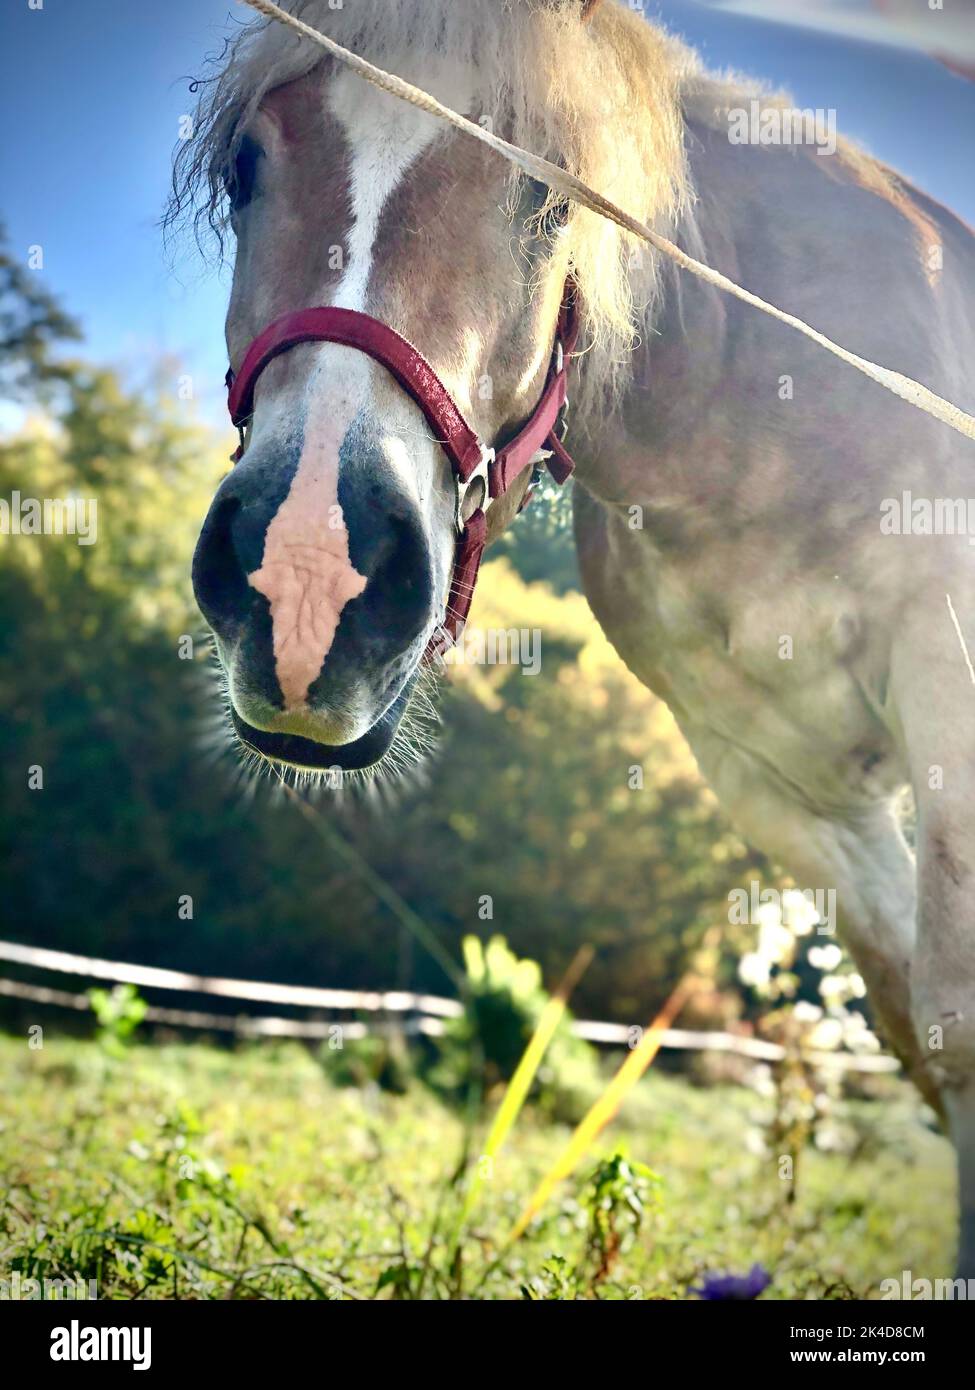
(827, 1035)
(760, 1079)
(799, 912)
(755, 1143)
(768, 913)
(753, 969)
(825, 957)
(858, 1036)
(807, 1013)
(775, 942)
(834, 1138)
(834, 988)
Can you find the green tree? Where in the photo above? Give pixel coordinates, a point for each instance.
(32, 323)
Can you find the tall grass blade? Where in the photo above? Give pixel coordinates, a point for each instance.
(608, 1103)
(518, 1087)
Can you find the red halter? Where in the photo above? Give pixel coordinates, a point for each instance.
(472, 461)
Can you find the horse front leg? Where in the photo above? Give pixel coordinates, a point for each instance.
(863, 858)
(943, 984)
(936, 704)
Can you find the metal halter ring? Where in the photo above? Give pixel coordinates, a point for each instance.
(481, 475)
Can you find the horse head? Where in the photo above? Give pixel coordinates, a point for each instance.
(325, 563)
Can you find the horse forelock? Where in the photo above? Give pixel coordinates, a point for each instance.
(602, 99)
(605, 99)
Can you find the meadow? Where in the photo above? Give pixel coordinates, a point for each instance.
(175, 1171)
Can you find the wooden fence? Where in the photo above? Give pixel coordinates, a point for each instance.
(397, 1010)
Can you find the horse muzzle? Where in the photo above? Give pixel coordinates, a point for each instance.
(320, 590)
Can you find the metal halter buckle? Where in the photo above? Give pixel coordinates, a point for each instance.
(561, 428)
(480, 475)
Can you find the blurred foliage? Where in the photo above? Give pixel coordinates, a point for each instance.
(503, 1004)
(561, 807)
(382, 1060)
(540, 546)
(119, 1012)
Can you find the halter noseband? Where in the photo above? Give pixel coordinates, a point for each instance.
(471, 460)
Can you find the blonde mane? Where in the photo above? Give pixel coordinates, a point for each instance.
(602, 99)
(607, 100)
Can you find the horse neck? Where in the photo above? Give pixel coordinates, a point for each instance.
(676, 377)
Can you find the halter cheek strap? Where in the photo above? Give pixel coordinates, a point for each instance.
(473, 463)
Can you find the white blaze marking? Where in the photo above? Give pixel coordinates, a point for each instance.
(384, 140)
(306, 572)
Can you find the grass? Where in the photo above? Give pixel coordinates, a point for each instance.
(181, 1171)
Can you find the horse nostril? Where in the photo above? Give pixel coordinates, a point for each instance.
(399, 594)
(219, 580)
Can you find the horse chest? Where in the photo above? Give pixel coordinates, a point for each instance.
(747, 650)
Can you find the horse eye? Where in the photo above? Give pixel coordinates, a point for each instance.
(556, 216)
(241, 182)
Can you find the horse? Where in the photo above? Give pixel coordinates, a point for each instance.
(738, 509)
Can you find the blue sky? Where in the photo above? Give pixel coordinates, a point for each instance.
(93, 90)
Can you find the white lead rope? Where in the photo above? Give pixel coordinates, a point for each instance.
(561, 181)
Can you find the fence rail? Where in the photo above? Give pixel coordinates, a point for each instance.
(430, 1011)
(302, 996)
(241, 1025)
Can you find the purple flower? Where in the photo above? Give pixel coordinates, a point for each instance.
(734, 1286)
